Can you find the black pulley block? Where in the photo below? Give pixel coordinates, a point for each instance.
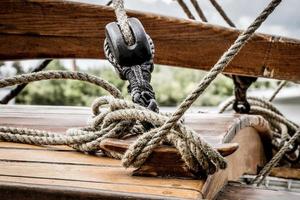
(124, 54)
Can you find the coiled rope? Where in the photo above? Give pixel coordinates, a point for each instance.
(286, 144)
(285, 132)
(123, 117)
(113, 117)
(141, 149)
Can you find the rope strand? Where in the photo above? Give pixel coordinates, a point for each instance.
(280, 86)
(47, 75)
(222, 12)
(123, 117)
(199, 10)
(186, 9)
(17, 90)
(123, 21)
(141, 149)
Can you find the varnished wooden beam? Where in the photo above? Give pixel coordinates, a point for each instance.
(63, 29)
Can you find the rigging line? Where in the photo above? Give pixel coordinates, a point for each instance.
(222, 12)
(46, 75)
(140, 150)
(123, 21)
(268, 167)
(17, 90)
(199, 10)
(186, 9)
(109, 3)
(280, 86)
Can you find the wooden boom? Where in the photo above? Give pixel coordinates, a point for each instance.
(63, 29)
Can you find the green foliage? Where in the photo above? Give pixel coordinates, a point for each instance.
(171, 86)
(67, 92)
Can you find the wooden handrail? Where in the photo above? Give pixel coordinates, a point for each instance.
(63, 29)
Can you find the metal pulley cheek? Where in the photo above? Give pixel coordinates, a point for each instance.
(241, 84)
(126, 55)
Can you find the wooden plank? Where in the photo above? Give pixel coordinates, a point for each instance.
(110, 178)
(47, 155)
(165, 161)
(236, 191)
(36, 169)
(285, 172)
(239, 163)
(33, 189)
(62, 29)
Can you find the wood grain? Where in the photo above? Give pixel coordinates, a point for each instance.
(63, 29)
(285, 172)
(38, 171)
(239, 163)
(236, 191)
(165, 161)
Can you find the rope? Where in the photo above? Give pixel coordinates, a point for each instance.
(280, 86)
(122, 117)
(112, 118)
(186, 9)
(199, 10)
(275, 160)
(109, 3)
(222, 12)
(285, 132)
(17, 90)
(143, 147)
(46, 75)
(188, 12)
(123, 21)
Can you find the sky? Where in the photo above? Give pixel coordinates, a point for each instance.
(284, 21)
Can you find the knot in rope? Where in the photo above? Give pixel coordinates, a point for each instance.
(110, 113)
(117, 118)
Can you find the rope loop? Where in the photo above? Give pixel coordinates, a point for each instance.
(117, 118)
(285, 141)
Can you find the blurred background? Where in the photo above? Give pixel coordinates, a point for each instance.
(171, 84)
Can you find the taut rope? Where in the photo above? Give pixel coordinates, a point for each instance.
(198, 10)
(278, 122)
(142, 148)
(112, 118)
(123, 21)
(123, 117)
(285, 132)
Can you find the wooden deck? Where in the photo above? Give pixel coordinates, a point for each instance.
(59, 172)
(236, 191)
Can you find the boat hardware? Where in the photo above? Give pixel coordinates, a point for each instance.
(132, 62)
(241, 85)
